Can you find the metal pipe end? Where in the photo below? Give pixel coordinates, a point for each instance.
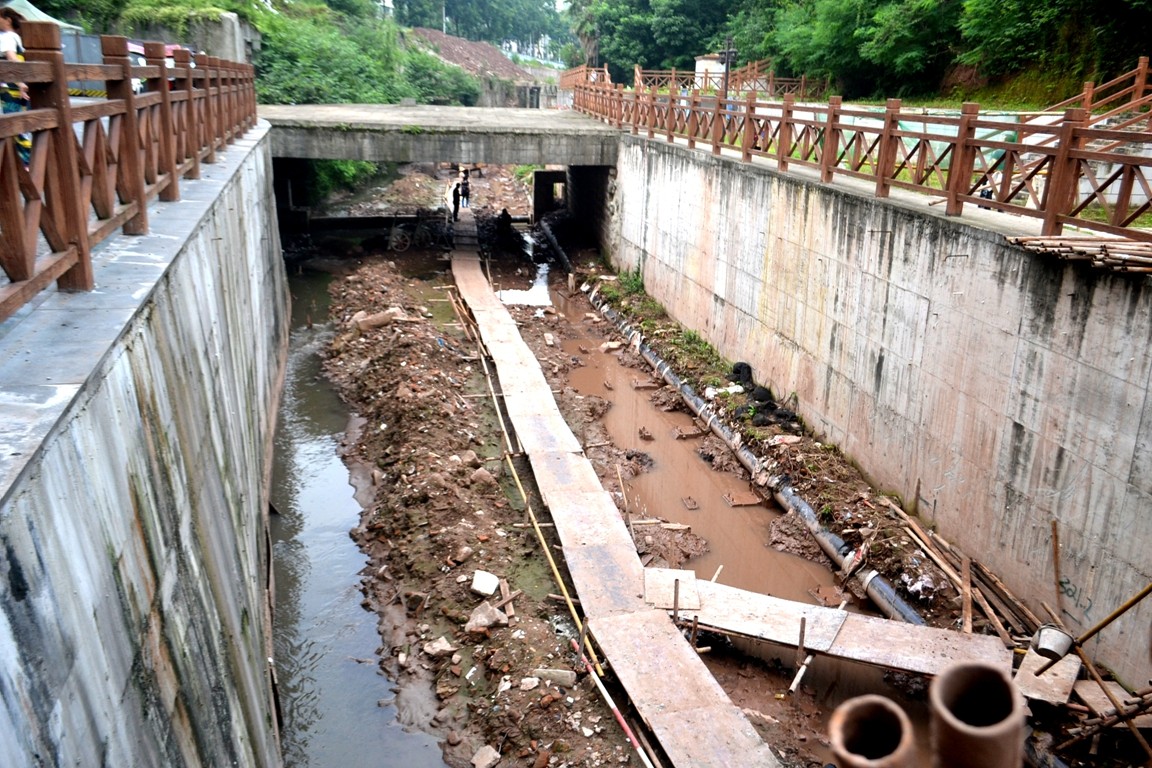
(872, 732)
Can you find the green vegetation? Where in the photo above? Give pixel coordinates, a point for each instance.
(311, 52)
(523, 173)
(1034, 52)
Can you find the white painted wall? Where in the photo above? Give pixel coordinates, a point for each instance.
(132, 535)
(995, 389)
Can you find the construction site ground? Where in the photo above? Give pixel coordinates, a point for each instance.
(446, 506)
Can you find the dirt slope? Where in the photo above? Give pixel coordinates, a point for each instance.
(480, 59)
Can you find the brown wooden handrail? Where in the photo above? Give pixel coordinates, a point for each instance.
(1055, 172)
(96, 164)
(757, 77)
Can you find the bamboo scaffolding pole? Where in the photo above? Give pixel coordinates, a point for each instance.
(1091, 667)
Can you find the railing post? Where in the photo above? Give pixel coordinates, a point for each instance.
(155, 54)
(637, 112)
(670, 116)
(1089, 93)
(130, 175)
(193, 127)
(772, 84)
(212, 115)
(718, 124)
(650, 118)
(693, 117)
(784, 132)
(1141, 81)
(62, 182)
(963, 159)
(803, 86)
(886, 155)
(228, 89)
(1063, 177)
(831, 136)
(637, 78)
(749, 136)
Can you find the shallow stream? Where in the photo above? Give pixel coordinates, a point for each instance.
(338, 710)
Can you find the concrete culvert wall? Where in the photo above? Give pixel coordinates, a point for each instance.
(134, 560)
(993, 390)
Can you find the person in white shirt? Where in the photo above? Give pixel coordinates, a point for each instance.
(14, 96)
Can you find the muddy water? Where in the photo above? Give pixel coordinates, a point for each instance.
(681, 488)
(338, 710)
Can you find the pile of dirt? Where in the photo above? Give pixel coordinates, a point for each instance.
(480, 59)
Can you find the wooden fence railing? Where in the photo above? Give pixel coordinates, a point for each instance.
(1062, 171)
(96, 163)
(756, 77)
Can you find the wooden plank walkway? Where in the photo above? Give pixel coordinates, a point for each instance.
(671, 688)
(695, 721)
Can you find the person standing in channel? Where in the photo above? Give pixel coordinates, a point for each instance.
(14, 95)
(465, 190)
(456, 202)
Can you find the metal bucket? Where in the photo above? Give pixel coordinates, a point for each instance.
(1051, 642)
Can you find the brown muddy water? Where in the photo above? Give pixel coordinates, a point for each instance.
(338, 710)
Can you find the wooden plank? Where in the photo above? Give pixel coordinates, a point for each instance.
(1089, 692)
(1055, 685)
(710, 737)
(765, 617)
(742, 499)
(697, 724)
(926, 650)
(660, 588)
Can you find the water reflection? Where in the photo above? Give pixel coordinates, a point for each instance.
(325, 643)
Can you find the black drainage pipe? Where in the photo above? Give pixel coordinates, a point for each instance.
(878, 588)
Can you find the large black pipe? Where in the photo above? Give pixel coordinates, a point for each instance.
(878, 588)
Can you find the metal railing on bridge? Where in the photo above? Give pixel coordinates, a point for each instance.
(1066, 166)
(95, 164)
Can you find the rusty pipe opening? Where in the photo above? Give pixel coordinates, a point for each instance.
(872, 732)
(977, 718)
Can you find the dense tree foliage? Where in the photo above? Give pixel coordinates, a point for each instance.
(525, 21)
(874, 47)
(656, 34)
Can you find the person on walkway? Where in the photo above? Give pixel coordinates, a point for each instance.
(465, 189)
(456, 202)
(14, 96)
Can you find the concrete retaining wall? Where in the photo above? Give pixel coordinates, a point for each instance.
(135, 430)
(997, 389)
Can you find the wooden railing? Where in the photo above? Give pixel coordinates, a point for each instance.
(1054, 171)
(584, 74)
(756, 77)
(96, 163)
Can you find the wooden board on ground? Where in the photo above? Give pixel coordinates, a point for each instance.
(742, 499)
(926, 650)
(1089, 692)
(1055, 685)
(660, 589)
(674, 691)
(765, 617)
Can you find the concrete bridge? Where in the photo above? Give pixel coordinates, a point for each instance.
(418, 134)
